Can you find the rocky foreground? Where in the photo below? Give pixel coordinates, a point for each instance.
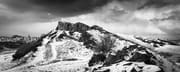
(81, 48)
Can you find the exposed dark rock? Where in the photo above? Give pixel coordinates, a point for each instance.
(50, 35)
(61, 36)
(96, 59)
(108, 70)
(134, 70)
(77, 27)
(1, 48)
(140, 67)
(138, 57)
(63, 26)
(87, 40)
(26, 48)
(12, 45)
(97, 27)
(71, 33)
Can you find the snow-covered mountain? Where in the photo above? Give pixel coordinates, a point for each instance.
(155, 42)
(77, 47)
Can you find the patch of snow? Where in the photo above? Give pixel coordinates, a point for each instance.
(131, 38)
(96, 34)
(76, 35)
(120, 44)
(169, 49)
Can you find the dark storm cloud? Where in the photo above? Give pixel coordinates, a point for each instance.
(68, 8)
(140, 13)
(165, 14)
(117, 12)
(160, 3)
(8, 17)
(6, 20)
(153, 3)
(31, 11)
(55, 7)
(169, 22)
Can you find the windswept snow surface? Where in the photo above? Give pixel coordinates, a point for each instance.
(169, 49)
(72, 51)
(67, 55)
(61, 66)
(175, 49)
(56, 56)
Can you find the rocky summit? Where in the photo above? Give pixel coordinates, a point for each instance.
(77, 47)
(79, 27)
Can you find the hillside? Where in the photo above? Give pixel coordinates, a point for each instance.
(77, 47)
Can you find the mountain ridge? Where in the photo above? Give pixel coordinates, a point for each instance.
(103, 50)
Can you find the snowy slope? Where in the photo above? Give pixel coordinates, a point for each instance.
(81, 48)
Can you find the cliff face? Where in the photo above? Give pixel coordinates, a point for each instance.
(98, 50)
(79, 27)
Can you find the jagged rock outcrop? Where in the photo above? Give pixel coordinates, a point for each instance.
(79, 27)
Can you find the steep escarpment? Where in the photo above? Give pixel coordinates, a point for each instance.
(77, 27)
(78, 47)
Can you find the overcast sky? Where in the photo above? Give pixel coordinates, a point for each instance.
(35, 17)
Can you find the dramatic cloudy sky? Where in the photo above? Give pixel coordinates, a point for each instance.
(120, 16)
